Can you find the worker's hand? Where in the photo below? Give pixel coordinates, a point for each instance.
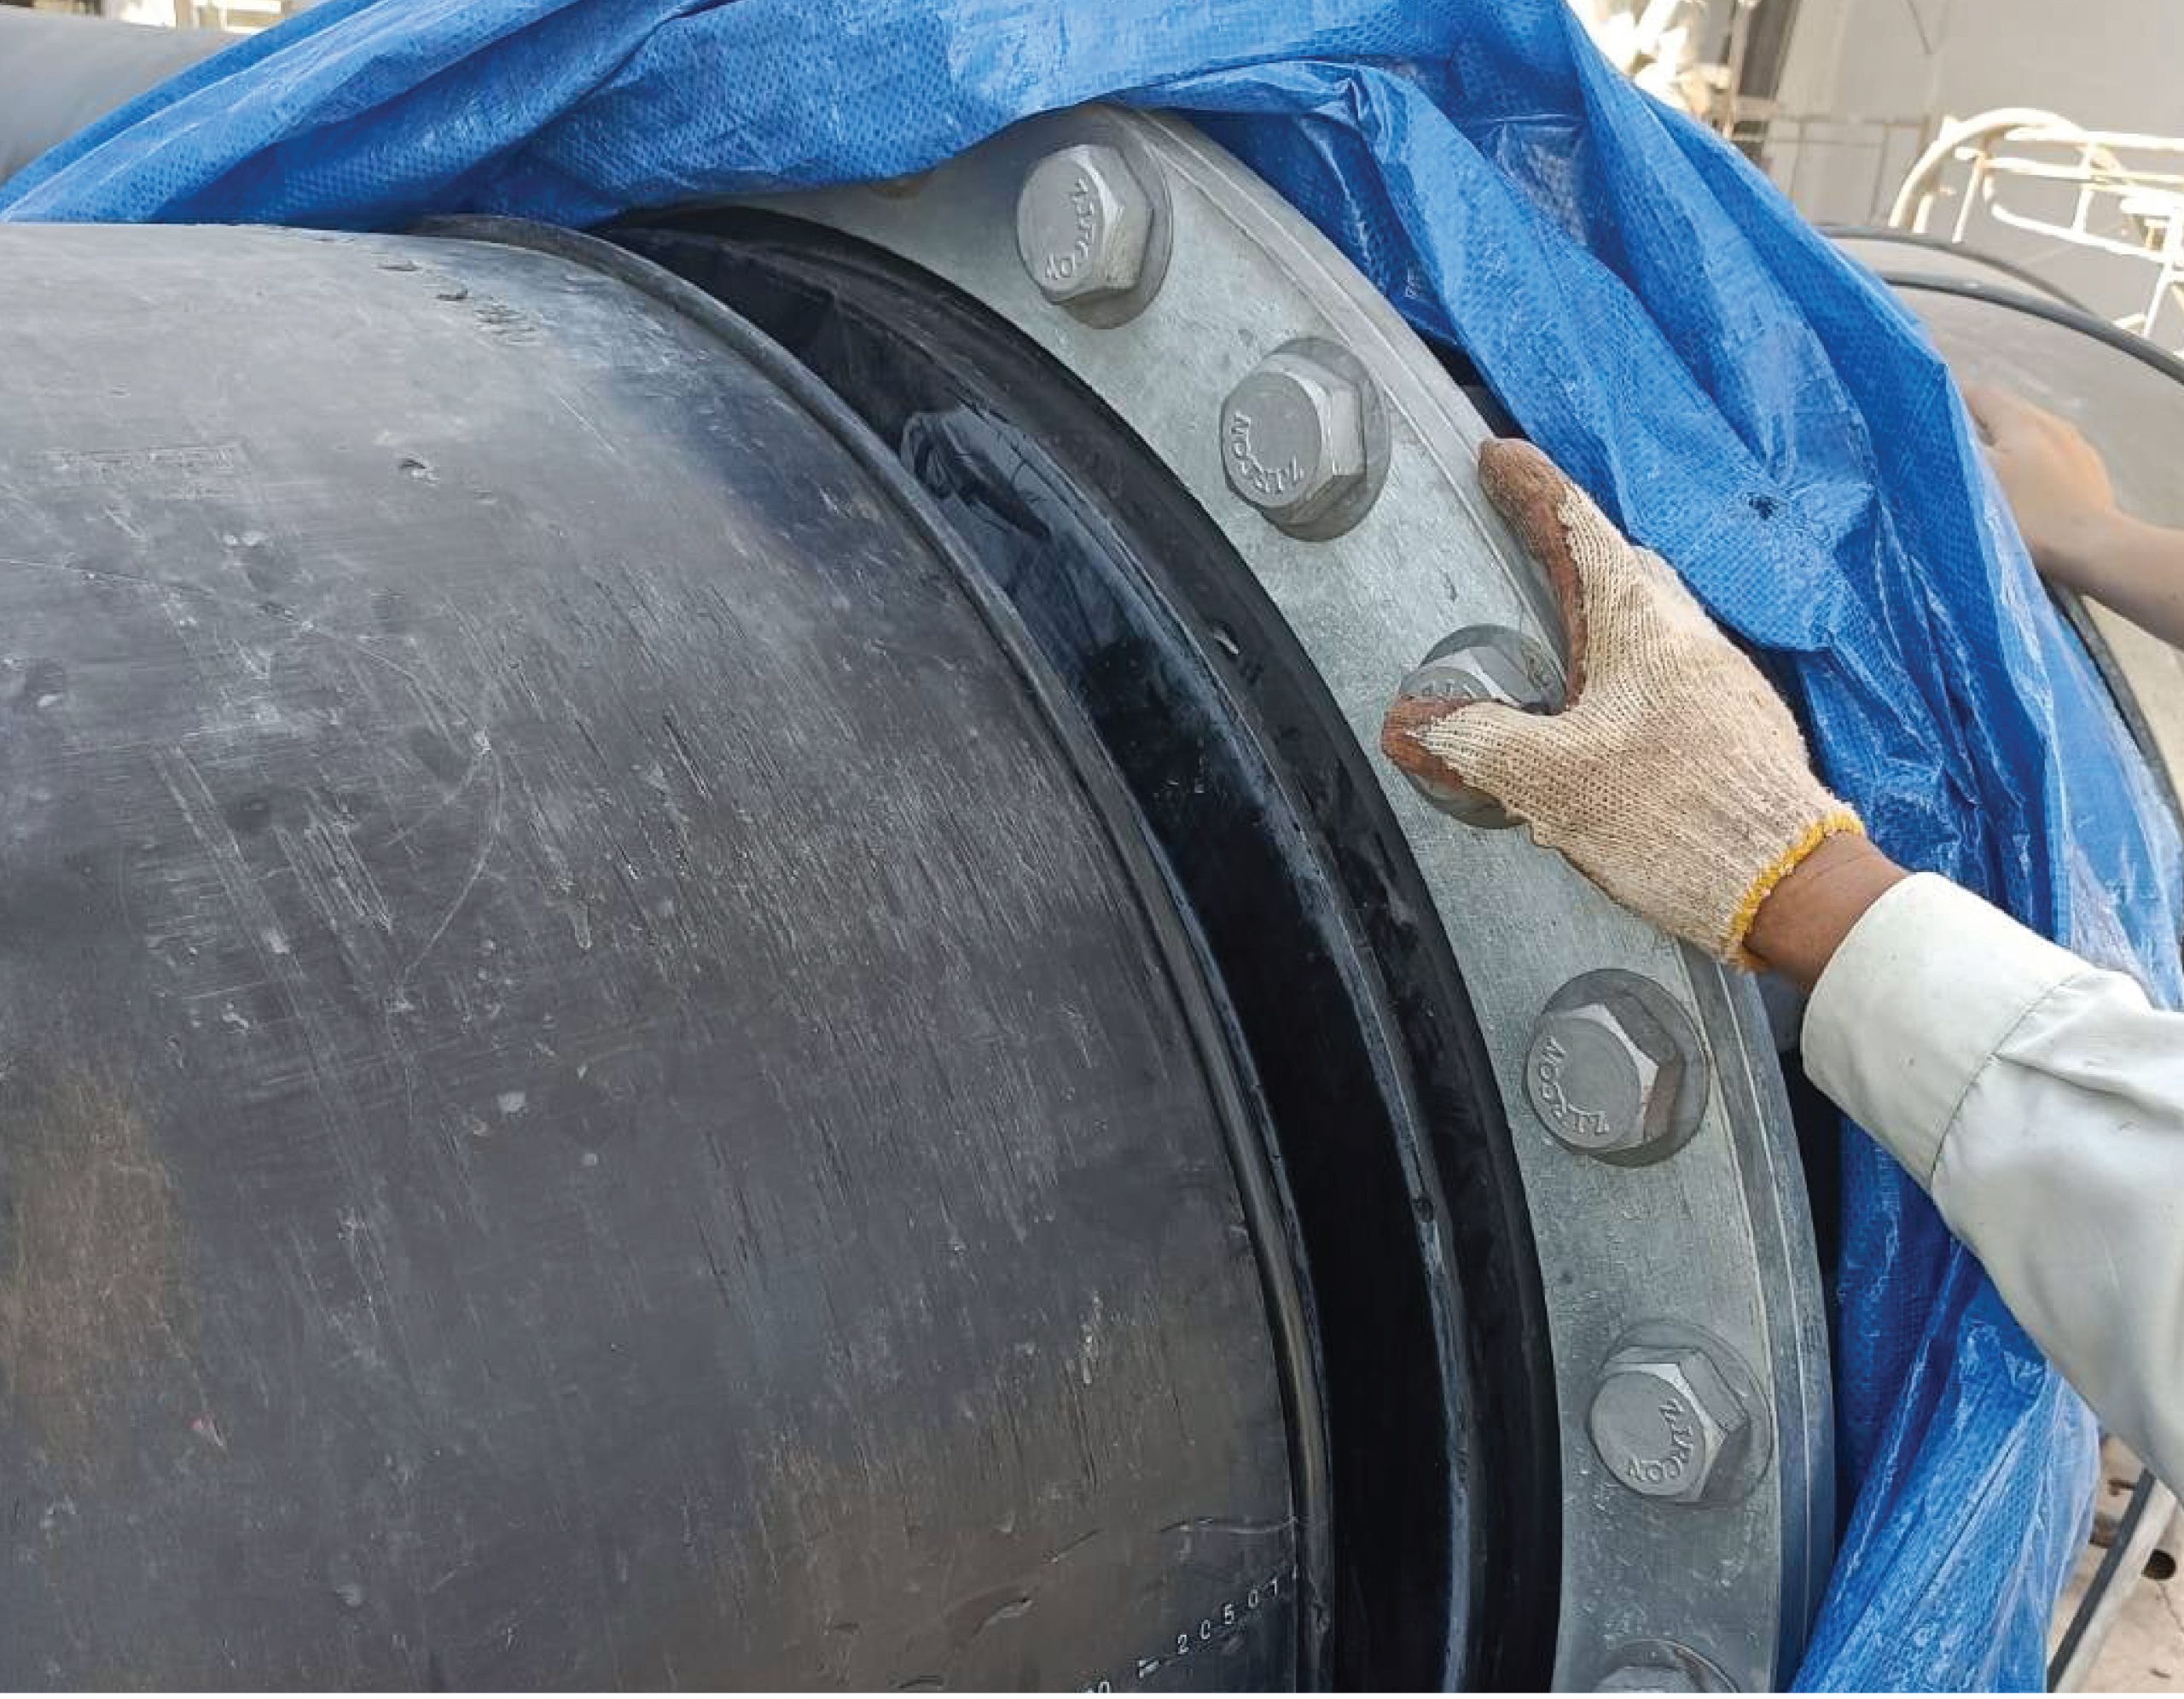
(1675, 778)
(2057, 486)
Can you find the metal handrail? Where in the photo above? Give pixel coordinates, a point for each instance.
(2144, 198)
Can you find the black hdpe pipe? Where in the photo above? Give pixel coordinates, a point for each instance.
(600, 1086)
(1364, 1153)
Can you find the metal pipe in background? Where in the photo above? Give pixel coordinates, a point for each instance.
(2127, 395)
(60, 72)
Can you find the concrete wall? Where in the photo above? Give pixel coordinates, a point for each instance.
(238, 16)
(2109, 64)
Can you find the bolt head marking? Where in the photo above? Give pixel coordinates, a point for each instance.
(1272, 483)
(1672, 1459)
(1603, 1077)
(1292, 436)
(1084, 222)
(1551, 1097)
(1665, 1421)
(1063, 265)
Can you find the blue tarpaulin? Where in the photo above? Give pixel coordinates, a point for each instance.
(1648, 309)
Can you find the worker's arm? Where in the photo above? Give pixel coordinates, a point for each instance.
(2066, 510)
(2040, 1100)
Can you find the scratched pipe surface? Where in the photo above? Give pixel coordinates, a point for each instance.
(586, 1096)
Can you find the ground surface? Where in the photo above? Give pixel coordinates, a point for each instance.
(2146, 1653)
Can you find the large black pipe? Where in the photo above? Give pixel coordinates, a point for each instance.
(596, 1087)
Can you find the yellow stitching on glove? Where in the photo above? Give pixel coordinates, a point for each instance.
(1829, 825)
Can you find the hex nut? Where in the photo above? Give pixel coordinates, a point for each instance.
(1479, 669)
(1292, 438)
(1667, 1423)
(1605, 1075)
(1084, 225)
(1481, 663)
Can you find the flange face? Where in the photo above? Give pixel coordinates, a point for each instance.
(1731, 1585)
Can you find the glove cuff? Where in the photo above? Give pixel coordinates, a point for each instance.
(1840, 818)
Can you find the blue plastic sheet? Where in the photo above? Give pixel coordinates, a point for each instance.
(1645, 306)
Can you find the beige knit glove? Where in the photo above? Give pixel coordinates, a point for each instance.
(1674, 779)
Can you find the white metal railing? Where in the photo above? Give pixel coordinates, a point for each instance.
(2117, 192)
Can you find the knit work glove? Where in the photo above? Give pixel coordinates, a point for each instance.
(1674, 779)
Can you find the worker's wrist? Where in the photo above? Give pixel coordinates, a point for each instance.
(2085, 551)
(1807, 915)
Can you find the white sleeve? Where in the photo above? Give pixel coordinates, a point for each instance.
(2041, 1101)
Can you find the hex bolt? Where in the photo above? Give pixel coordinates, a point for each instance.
(1482, 663)
(1084, 224)
(1668, 1424)
(1293, 438)
(1605, 1076)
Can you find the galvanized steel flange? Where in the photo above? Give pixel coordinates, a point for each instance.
(1660, 1169)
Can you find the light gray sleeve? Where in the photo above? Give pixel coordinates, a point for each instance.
(2041, 1102)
